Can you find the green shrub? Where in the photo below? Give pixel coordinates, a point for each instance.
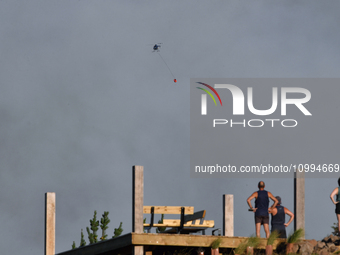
(216, 243)
(296, 236)
(253, 241)
(273, 236)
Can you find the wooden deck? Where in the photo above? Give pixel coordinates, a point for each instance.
(124, 244)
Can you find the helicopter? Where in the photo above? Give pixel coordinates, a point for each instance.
(156, 47)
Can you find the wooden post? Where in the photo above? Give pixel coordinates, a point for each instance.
(49, 223)
(137, 204)
(299, 200)
(228, 215)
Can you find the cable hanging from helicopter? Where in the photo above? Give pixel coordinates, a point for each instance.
(156, 48)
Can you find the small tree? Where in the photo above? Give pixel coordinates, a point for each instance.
(90, 235)
(335, 229)
(94, 223)
(118, 231)
(92, 230)
(82, 241)
(160, 229)
(104, 222)
(144, 221)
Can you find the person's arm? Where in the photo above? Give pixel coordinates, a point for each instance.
(270, 195)
(254, 195)
(334, 192)
(291, 216)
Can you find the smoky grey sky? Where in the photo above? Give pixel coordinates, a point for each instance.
(83, 99)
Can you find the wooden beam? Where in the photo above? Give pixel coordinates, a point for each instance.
(138, 250)
(193, 240)
(49, 223)
(137, 204)
(299, 200)
(228, 215)
(127, 241)
(137, 199)
(168, 209)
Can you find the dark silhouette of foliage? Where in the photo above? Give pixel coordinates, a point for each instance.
(335, 229)
(144, 221)
(160, 229)
(90, 235)
(92, 230)
(82, 240)
(118, 231)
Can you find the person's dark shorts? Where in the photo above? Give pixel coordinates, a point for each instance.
(337, 208)
(262, 219)
(281, 229)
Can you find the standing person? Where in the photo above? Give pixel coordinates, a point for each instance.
(337, 204)
(261, 208)
(279, 218)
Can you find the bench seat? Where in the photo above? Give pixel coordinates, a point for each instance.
(189, 221)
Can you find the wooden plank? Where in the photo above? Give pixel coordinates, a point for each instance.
(137, 198)
(210, 223)
(184, 231)
(168, 209)
(168, 221)
(193, 240)
(161, 225)
(49, 223)
(177, 223)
